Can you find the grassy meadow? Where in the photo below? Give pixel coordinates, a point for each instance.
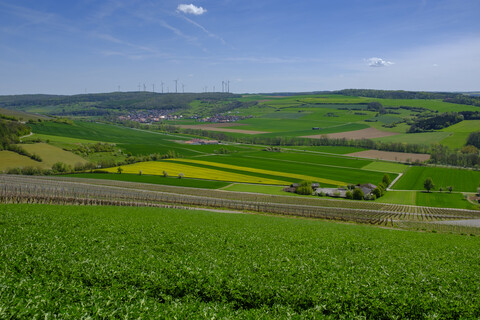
(432, 199)
(123, 262)
(10, 160)
(459, 133)
(51, 154)
(460, 180)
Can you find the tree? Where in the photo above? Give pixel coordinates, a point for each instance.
(165, 174)
(349, 194)
(358, 194)
(428, 184)
(474, 139)
(180, 175)
(386, 180)
(119, 170)
(450, 188)
(305, 188)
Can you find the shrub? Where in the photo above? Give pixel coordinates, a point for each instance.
(305, 188)
(60, 167)
(349, 195)
(36, 157)
(378, 192)
(358, 194)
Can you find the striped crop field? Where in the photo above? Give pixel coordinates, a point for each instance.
(262, 171)
(190, 171)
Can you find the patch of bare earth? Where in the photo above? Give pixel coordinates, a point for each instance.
(393, 156)
(222, 127)
(368, 133)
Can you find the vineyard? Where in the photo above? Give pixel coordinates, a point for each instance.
(50, 190)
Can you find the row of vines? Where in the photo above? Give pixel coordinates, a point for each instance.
(21, 189)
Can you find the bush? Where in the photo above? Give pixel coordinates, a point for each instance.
(60, 167)
(349, 195)
(305, 190)
(36, 157)
(378, 192)
(305, 187)
(358, 194)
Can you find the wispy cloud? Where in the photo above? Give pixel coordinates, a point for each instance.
(177, 31)
(191, 9)
(378, 62)
(32, 17)
(210, 34)
(113, 39)
(270, 60)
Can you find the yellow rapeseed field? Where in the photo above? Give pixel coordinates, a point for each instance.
(275, 173)
(189, 171)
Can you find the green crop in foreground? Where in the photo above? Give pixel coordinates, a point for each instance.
(112, 262)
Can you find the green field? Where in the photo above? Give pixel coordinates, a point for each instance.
(385, 166)
(299, 100)
(460, 180)
(399, 197)
(115, 262)
(460, 133)
(51, 154)
(134, 141)
(433, 199)
(416, 138)
(326, 149)
(342, 169)
(22, 116)
(444, 200)
(10, 160)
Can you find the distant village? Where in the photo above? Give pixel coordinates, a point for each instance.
(152, 116)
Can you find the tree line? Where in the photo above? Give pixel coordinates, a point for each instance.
(441, 121)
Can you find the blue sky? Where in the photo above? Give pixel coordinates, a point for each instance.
(69, 47)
